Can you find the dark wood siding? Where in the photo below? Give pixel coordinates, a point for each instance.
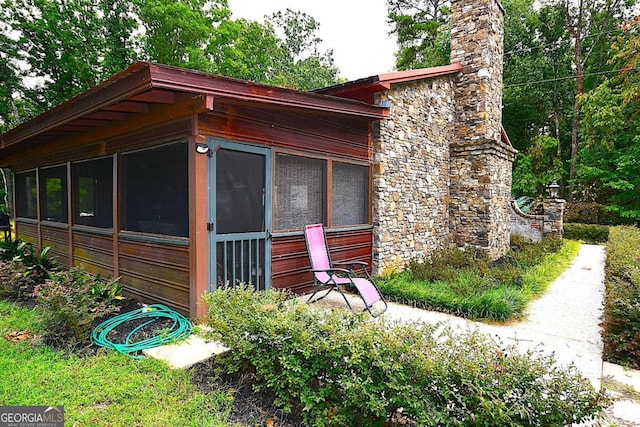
(290, 261)
(155, 272)
(28, 232)
(58, 239)
(319, 134)
(94, 252)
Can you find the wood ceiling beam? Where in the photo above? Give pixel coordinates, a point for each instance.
(156, 97)
(157, 115)
(132, 81)
(107, 115)
(129, 107)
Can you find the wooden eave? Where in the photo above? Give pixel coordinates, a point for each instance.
(144, 87)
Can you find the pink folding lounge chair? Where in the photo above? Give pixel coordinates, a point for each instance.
(326, 276)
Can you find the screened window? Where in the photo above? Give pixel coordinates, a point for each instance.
(93, 193)
(155, 191)
(240, 182)
(53, 194)
(300, 191)
(349, 194)
(26, 195)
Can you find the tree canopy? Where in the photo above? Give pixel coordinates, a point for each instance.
(570, 91)
(53, 50)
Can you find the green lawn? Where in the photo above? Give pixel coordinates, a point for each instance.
(104, 390)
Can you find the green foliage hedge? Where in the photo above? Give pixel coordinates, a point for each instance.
(589, 213)
(588, 233)
(340, 369)
(621, 325)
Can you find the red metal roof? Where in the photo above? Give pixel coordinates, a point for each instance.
(363, 89)
(142, 85)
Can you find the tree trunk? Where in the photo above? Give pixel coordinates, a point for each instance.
(556, 123)
(576, 33)
(14, 109)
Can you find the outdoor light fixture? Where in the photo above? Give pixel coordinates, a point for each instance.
(553, 189)
(202, 148)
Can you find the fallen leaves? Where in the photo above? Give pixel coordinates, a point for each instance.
(18, 336)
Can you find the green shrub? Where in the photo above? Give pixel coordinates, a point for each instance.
(73, 300)
(17, 281)
(340, 369)
(621, 325)
(590, 213)
(444, 265)
(20, 251)
(37, 265)
(528, 253)
(12, 280)
(588, 233)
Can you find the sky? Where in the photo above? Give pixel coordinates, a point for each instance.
(356, 30)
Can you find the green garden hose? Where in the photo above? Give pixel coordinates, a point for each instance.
(181, 329)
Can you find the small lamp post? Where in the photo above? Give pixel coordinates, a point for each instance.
(553, 189)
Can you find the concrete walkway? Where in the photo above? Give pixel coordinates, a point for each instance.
(565, 321)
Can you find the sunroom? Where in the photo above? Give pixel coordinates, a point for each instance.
(179, 182)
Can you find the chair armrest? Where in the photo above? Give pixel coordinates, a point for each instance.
(362, 263)
(353, 265)
(331, 270)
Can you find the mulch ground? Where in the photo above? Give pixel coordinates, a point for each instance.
(250, 408)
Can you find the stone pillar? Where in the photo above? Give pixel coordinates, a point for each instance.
(553, 214)
(480, 170)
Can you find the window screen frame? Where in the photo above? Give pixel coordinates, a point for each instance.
(43, 205)
(76, 196)
(19, 198)
(366, 191)
(328, 175)
(123, 189)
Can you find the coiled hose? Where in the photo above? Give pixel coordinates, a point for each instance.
(179, 330)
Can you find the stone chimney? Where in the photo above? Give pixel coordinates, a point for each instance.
(480, 170)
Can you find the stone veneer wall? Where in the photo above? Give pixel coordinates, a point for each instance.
(411, 172)
(479, 213)
(480, 183)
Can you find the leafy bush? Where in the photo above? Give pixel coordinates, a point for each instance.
(340, 369)
(590, 213)
(20, 251)
(74, 299)
(445, 264)
(588, 233)
(14, 280)
(621, 325)
(38, 265)
(528, 254)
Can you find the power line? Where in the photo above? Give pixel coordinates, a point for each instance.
(556, 44)
(597, 73)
